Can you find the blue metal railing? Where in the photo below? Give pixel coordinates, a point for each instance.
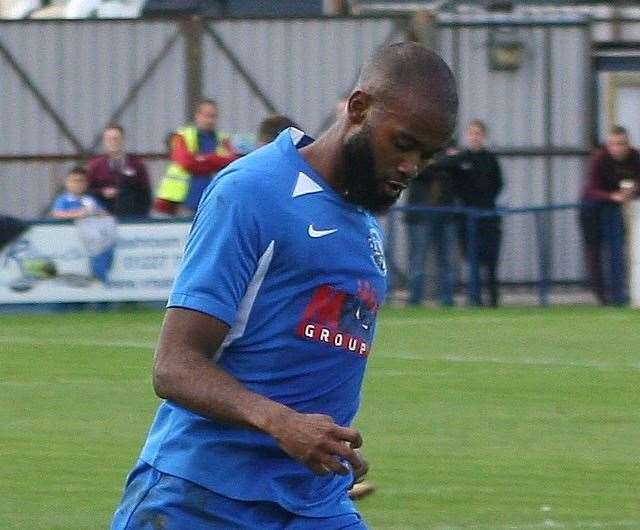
(471, 217)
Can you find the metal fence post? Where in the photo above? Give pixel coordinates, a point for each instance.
(540, 218)
(473, 287)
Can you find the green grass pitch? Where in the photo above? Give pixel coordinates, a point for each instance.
(513, 419)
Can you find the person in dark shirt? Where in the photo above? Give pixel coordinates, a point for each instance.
(478, 182)
(119, 180)
(612, 180)
(432, 187)
(271, 127)
(10, 229)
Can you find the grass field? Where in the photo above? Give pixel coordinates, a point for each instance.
(518, 419)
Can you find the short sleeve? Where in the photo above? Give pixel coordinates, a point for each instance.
(222, 252)
(60, 204)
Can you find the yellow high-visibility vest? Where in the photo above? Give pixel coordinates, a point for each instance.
(174, 186)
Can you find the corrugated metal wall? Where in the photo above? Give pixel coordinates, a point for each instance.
(536, 112)
(86, 69)
(303, 66)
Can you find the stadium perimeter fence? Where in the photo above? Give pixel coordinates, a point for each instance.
(531, 268)
(551, 236)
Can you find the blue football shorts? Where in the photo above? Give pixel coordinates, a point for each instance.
(156, 501)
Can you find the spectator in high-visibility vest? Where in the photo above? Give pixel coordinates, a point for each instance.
(198, 151)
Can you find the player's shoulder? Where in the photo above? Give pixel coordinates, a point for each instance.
(265, 173)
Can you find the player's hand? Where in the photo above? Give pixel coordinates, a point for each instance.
(620, 196)
(109, 192)
(317, 442)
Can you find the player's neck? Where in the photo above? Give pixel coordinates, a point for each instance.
(324, 156)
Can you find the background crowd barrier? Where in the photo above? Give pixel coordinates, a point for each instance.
(63, 261)
(536, 244)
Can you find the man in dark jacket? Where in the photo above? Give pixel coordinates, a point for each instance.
(433, 187)
(119, 180)
(613, 179)
(478, 182)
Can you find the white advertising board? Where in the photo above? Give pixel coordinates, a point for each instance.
(633, 227)
(67, 262)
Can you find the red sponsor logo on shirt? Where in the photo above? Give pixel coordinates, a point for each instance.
(341, 319)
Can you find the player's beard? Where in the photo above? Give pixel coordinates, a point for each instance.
(361, 182)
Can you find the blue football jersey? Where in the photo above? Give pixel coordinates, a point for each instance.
(67, 201)
(299, 274)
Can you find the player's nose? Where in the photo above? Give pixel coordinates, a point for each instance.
(408, 166)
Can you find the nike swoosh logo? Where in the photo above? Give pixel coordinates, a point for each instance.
(320, 233)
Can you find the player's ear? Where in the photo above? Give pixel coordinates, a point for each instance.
(357, 106)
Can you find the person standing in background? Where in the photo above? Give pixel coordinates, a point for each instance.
(117, 179)
(612, 180)
(479, 183)
(198, 152)
(271, 127)
(433, 187)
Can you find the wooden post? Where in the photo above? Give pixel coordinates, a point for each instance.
(191, 29)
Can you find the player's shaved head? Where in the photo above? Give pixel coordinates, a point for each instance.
(408, 69)
(402, 111)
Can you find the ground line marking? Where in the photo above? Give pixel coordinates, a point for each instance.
(388, 355)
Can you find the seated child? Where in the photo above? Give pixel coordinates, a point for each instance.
(96, 228)
(75, 203)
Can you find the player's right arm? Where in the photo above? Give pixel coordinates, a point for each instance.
(183, 373)
(226, 243)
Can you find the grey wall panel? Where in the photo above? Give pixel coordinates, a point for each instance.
(523, 187)
(303, 66)
(570, 87)
(28, 188)
(26, 129)
(445, 45)
(159, 106)
(85, 72)
(567, 259)
(239, 109)
(630, 31)
(510, 102)
(523, 181)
